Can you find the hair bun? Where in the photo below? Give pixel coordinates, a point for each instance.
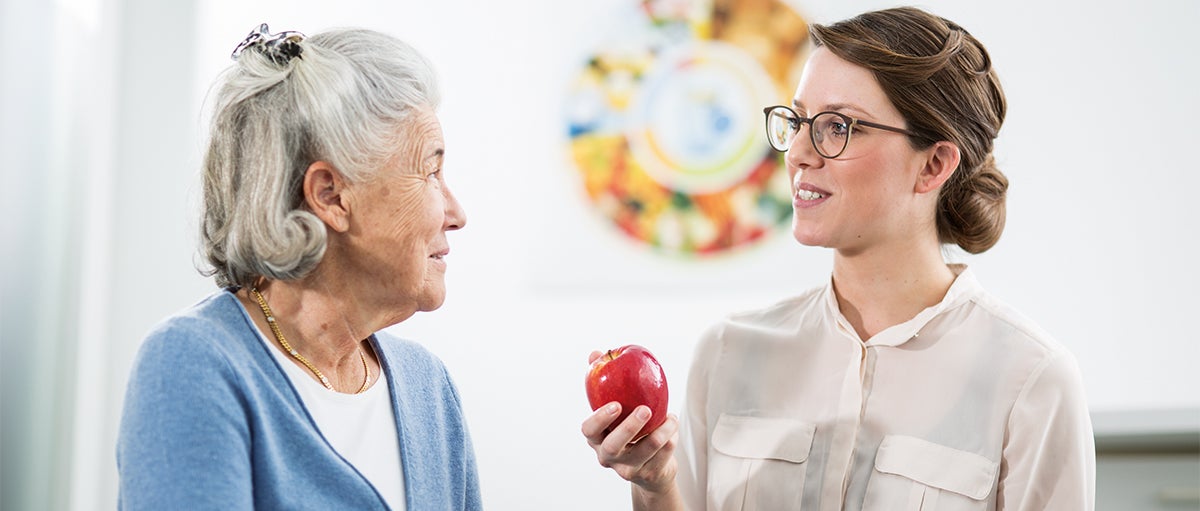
(281, 48)
(973, 210)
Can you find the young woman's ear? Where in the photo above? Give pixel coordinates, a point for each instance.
(325, 195)
(943, 161)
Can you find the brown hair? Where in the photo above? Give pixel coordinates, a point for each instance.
(941, 80)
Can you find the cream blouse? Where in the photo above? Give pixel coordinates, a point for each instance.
(967, 406)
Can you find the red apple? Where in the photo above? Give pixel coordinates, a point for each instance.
(629, 375)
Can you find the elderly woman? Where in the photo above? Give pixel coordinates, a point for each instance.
(325, 219)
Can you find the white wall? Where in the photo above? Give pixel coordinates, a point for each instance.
(1099, 247)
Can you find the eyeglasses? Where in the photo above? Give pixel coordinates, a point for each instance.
(829, 131)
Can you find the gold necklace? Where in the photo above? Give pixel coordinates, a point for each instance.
(262, 302)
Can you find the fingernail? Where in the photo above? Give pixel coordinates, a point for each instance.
(611, 408)
(643, 413)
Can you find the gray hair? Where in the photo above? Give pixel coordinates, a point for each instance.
(343, 101)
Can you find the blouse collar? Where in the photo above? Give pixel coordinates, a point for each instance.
(965, 287)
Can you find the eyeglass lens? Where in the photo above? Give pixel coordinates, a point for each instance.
(830, 131)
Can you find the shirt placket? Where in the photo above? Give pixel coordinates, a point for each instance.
(847, 421)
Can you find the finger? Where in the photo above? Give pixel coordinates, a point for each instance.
(595, 355)
(660, 469)
(655, 454)
(624, 433)
(658, 439)
(594, 426)
(615, 450)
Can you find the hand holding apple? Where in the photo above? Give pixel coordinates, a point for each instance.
(631, 376)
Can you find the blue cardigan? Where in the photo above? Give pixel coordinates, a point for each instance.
(211, 421)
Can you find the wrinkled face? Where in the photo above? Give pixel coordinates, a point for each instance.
(866, 196)
(403, 214)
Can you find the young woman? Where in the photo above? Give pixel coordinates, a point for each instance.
(901, 384)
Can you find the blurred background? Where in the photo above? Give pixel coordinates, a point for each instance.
(103, 119)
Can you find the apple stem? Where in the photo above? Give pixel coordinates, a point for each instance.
(609, 355)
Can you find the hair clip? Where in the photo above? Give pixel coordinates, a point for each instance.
(280, 48)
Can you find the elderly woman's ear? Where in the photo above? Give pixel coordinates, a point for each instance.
(325, 194)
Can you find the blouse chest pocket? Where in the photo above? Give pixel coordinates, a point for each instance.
(912, 474)
(758, 463)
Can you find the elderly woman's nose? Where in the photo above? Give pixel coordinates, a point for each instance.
(456, 217)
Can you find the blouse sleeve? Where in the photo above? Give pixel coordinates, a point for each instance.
(692, 454)
(1049, 459)
(184, 439)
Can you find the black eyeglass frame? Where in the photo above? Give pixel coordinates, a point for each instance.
(851, 123)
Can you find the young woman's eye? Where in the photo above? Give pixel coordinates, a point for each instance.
(839, 128)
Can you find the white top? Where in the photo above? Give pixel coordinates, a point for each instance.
(360, 427)
(967, 406)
